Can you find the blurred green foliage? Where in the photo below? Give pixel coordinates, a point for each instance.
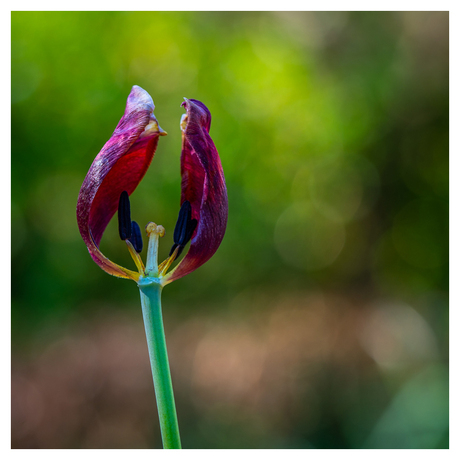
(333, 134)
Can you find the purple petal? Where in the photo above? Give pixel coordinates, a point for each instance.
(203, 185)
(119, 166)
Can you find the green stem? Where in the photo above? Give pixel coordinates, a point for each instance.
(153, 322)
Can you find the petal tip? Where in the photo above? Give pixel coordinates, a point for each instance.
(198, 112)
(139, 98)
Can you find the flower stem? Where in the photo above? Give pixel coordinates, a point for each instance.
(153, 322)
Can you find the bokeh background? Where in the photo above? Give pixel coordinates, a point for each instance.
(322, 320)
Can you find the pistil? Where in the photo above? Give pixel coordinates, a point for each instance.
(154, 232)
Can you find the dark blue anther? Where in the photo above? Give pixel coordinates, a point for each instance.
(180, 230)
(136, 237)
(184, 228)
(124, 216)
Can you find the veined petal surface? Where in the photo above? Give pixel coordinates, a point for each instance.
(119, 166)
(203, 185)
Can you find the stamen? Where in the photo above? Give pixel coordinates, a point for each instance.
(180, 230)
(136, 237)
(191, 225)
(184, 229)
(164, 266)
(136, 257)
(124, 216)
(174, 246)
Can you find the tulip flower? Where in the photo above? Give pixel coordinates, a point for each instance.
(113, 177)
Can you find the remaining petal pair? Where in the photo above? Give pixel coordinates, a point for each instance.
(122, 163)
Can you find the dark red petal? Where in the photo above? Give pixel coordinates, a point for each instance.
(203, 185)
(119, 166)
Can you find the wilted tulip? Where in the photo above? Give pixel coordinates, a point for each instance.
(113, 176)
